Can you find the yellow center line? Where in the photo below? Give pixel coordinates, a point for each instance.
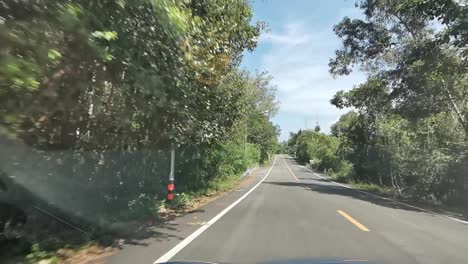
(354, 221)
(294, 176)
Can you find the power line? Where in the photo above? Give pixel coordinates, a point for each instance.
(63, 221)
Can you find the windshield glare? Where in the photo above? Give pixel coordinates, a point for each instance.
(233, 131)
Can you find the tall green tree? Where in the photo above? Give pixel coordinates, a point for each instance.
(416, 76)
(343, 125)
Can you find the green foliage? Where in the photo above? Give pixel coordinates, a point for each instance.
(233, 158)
(143, 207)
(224, 184)
(93, 94)
(98, 92)
(260, 105)
(213, 187)
(374, 188)
(163, 59)
(344, 123)
(282, 148)
(53, 54)
(411, 126)
(322, 151)
(107, 35)
(181, 200)
(263, 133)
(341, 178)
(344, 170)
(39, 255)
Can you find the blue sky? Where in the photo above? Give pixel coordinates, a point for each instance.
(296, 52)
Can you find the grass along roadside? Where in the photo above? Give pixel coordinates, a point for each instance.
(453, 210)
(370, 187)
(187, 201)
(343, 177)
(90, 251)
(192, 199)
(373, 188)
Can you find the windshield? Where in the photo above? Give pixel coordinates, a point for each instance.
(233, 131)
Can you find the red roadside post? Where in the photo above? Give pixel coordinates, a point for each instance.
(170, 185)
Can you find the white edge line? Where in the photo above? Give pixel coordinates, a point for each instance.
(171, 253)
(458, 220)
(385, 198)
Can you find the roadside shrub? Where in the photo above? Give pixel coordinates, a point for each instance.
(341, 178)
(142, 207)
(324, 151)
(344, 169)
(39, 255)
(374, 188)
(181, 201)
(233, 158)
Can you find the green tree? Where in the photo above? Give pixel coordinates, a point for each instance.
(416, 75)
(317, 128)
(343, 125)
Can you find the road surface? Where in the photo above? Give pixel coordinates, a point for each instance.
(294, 214)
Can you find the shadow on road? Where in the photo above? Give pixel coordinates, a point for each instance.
(310, 179)
(161, 230)
(342, 191)
(460, 212)
(146, 235)
(321, 187)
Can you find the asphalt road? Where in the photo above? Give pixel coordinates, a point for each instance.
(296, 215)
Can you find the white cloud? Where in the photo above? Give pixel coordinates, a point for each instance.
(291, 37)
(298, 60)
(351, 12)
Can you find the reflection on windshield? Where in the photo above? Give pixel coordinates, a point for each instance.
(122, 118)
